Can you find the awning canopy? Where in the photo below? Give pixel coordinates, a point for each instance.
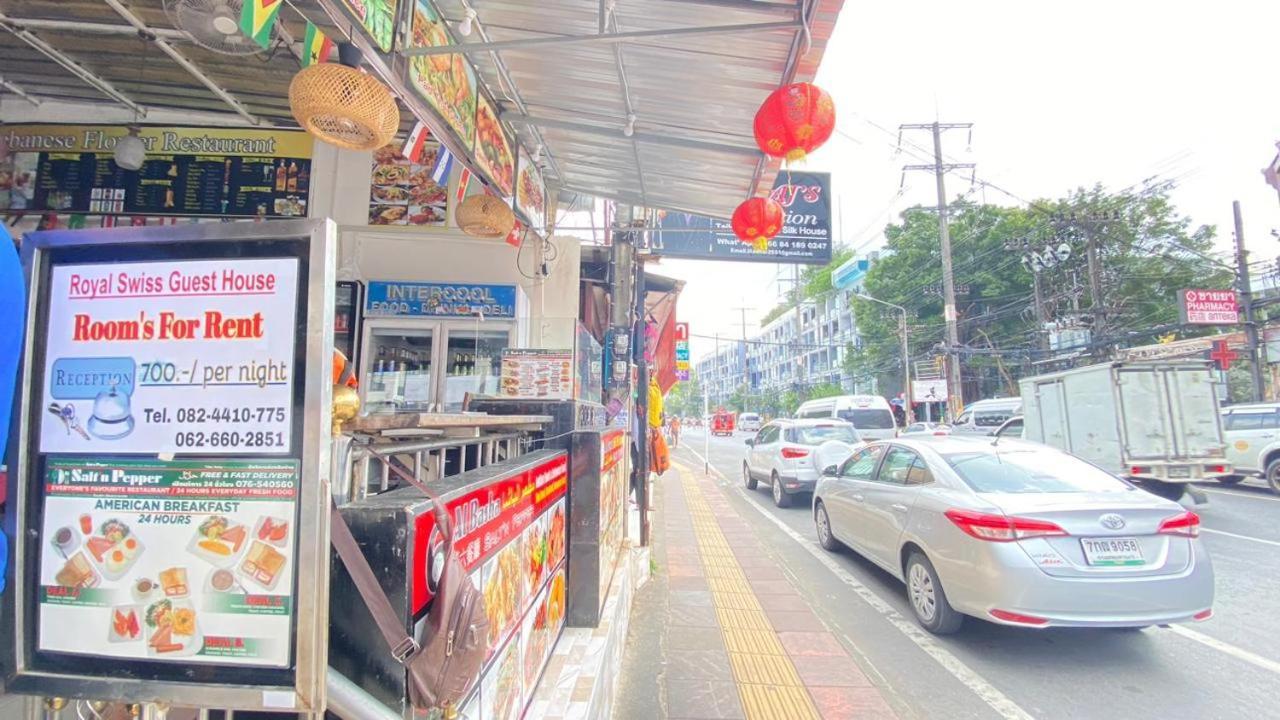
(647, 102)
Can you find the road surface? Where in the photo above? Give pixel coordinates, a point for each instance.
(1227, 667)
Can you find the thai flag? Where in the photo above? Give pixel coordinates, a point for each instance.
(444, 162)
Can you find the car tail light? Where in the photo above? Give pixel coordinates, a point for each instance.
(1216, 469)
(1018, 618)
(1187, 525)
(791, 453)
(1139, 470)
(1203, 615)
(1001, 528)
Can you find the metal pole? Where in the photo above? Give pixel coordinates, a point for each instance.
(955, 393)
(1098, 307)
(1041, 338)
(906, 371)
(642, 404)
(706, 430)
(1246, 303)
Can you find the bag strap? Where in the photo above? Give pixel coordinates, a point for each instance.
(403, 647)
(437, 505)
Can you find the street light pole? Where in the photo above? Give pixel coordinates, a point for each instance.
(906, 356)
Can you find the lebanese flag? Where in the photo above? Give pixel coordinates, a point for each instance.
(413, 144)
(256, 19)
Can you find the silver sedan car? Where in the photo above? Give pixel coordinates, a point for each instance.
(1014, 533)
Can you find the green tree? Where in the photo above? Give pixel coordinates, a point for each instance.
(685, 399)
(1147, 251)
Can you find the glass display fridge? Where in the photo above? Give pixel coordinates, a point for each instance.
(418, 362)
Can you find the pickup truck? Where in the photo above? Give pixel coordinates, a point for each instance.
(1155, 423)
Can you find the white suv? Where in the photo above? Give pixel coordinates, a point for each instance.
(782, 454)
(1252, 433)
(749, 421)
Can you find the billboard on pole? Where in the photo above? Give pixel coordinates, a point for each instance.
(929, 390)
(1209, 307)
(805, 238)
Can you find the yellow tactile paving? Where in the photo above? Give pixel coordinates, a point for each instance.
(763, 669)
(776, 701)
(752, 642)
(768, 684)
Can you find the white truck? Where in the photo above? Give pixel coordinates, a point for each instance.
(1152, 422)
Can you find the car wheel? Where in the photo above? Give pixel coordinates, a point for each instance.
(747, 480)
(1166, 490)
(823, 525)
(928, 599)
(1231, 479)
(1273, 475)
(781, 497)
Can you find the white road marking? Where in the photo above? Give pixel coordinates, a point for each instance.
(1240, 537)
(1225, 647)
(998, 701)
(1237, 493)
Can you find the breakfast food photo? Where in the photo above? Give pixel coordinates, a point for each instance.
(77, 573)
(272, 530)
(217, 541)
(126, 624)
(263, 565)
(172, 629)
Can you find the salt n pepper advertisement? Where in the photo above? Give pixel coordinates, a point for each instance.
(170, 357)
(183, 562)
(805, 237)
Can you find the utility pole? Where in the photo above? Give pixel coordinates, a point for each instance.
(746, 373)
(955, 391)
(1246, 304)
(1041, 337)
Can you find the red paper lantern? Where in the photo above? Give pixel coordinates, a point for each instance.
(794, 121)
(757, 221)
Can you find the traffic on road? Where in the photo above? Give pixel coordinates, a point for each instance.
(994, 577)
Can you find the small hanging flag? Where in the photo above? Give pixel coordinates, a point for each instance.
(464, 184)
(516, 236)
(444, 162)
(412, 149)
(257, 17)
(317, 47)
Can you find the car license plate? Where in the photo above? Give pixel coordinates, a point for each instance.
(1179, 471)
(1112, 552)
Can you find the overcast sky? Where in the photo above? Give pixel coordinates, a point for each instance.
(1061, 94)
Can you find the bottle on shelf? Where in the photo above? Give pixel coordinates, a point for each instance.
(291, 179)
(282, 177)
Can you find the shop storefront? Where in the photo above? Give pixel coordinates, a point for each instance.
(194, 262)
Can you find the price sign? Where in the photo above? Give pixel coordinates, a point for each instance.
(170, 357)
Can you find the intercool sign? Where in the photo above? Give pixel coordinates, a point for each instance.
(1209, 307)
(411, 299)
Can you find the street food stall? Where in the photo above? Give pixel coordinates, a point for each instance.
(175, 454)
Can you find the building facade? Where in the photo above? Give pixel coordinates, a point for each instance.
(804, 347)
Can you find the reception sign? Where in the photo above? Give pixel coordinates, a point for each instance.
(805, 238)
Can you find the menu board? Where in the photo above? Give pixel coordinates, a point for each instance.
(403, 192)
(170, 357)
(180, 562)
(613, 492)
(186, 172)
(511, 538)
(493, 150)
(447, 82)
(543, 374)
(378, 17)
(531, 193)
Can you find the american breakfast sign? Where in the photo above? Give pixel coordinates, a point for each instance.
(171, 357)
(180, 561)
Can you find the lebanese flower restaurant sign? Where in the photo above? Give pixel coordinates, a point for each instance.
(170, 357)
(1209, 307)
(511, 537)
(182, 562)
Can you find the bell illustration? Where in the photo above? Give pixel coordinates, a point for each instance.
(112, 418)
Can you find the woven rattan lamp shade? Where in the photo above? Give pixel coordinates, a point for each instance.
(485, 216)
(343, 106)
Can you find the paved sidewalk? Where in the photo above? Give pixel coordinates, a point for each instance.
(737, 638)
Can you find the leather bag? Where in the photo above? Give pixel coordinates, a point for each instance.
(442, 664)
